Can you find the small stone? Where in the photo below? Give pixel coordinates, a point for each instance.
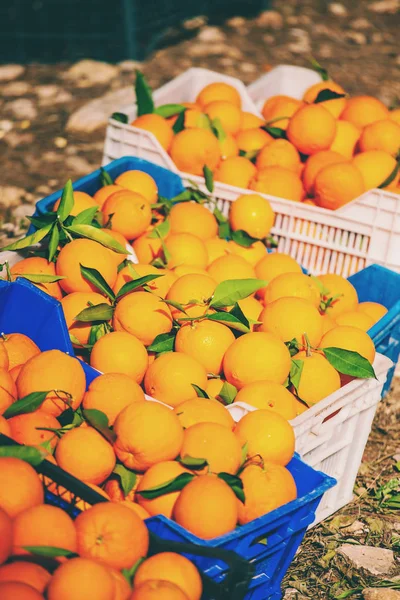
(195, 23)
(46, 91)
(360, 24)
(95, 114)
(10, 195)
(60, 142)
(22, 211)
(373, 561)
(211, 35)
(52, 94)
(11, 72)
(86, 73)
(301, 43)
(356, 37)
(291, 594)
(25, 124)
(248, 68)
(377, 37)
(43, 190)
(270, 19)
(337, 9)
(51, 157)
(268, 39)
(354, 529)
(226, 61)
(380, 594)
(389, 7)
(6, 125)
(22, 108)
(236, 22)
(14, 139)
(16, 88)
(79, 165)
(325, 51)
(129, 66)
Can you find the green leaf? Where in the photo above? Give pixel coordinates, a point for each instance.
(66, 202)
(164, 342)
(99, 312)
(174, 485)
(349, 363)
(218, 130)
(129, 574)
(43, 220)
(242, 238)
(144, 95)
(295, 372)
(231, 291)
(40, 278)
(319, 69)
(190, 462)
(250, 154)
(30, 240)
(174, 304)
(224, 231)
(391, 177)
(235, 483)
(230, 320)
(86, 216)
(99, 420)
(49, 551)
(169, 110)
(27, 404)
(245, 450)
(327, 94)
(179, 124)
(219, 216)
(126, 477)
(136, 283)
(209, 178)
(323, 290)
(29, 454)
(162, 230)
(275, 132)
(96, 332)
(105, 178)
(204, 122)
(292, 346)
(120, 117)
(97, 235)
(228, 393)
(97, 279)
(53, 242)
(200, 392)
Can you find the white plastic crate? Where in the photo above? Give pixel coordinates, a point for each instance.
(332, 435)
(286, 80)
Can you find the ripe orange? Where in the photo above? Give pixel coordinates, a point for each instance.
(130, 213)
(120, 352)
(315, 164)
(206, 342)
(116, 257)
(214, 387)
(269, 395)
(156, 125)
(207, 507)
(394, 114)
(143, 315)
(363, 110)
(79, 579)
(293, 285)
(312, 129)
(139, 510)
(43, 525)
(73, 304)
(146, 248)
(186, 249)
(190, 288)
(342, 291)
(355, 318)
(279, 182)
(172, 567)
(272, 265)
(375, 167)
(105, 533)
(53, 370)
(191, 217)
(327, 323)
(36, 265)
(229, 115)
(6, 539)
(170, 378)
(92, 466)
(346, 138)
(193, 148)
(4, 360)
(350, 338)
(157, 589)
(114, 490)
(375, 310)
(25, 428)
(82, 201)
(20, 486)
(253, 140)
(203, 410)
(188, 270)
(216, 444)
(237, 171)
(252, 254)
(26, 572)
(89, 254)
(147, 433)
(139, 182)
(216, 247)
(157, 475)
(8, 390)
(381, 135)
(105, 192)
(230, 266)
(279, 153)
(252, 214)
(5, 428)
(266, 487)
(228, 146)
(111, 393)
(336, 105)
(218, 91)
(256, 356)
(318, 378)
(280, 106)
(13, 590)
(268, 435)
(159, 286)
(250, 121)
(338, 184)
(251, 308)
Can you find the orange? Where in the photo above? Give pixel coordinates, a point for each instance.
(191, 217)
(113, 488)
(375, 167)
(118, 237)
(219, 91)
(346, 138)
(272, 265)
(216, 247)
(25, 428)
(312, 129)
(215, 443)
(170, 378)
(214, 387)
(159, 286)
(266, 488)
(250, 121)
(5, 428)
(111, 393)
(206, 342)
(256, 356)
(187, 270)
(355, 318)
(194, 148)
(120, 352)
(158, 475)
(156, 125)
(230, 266)
(228, 146)
(186, 249)
(292, 318)
(13, 590)
(4, 360)
(381, 135)
(336, 105)
(139, 182)
(172, 567)
(318, 378)
(280, 106)
(363, 110)
(158, 589)
(36, 265)
(143, 315)
(105, 192)
(92, 466)
(6, 539)
(252, 214)
(237, 171)
(343, 294)
(26, 572)
(44, 525)
(338, 184)
(139, 510)
(350, 338)
(203, 410)
(268, 435)
(75, 303)
(279, 182)
(20, 486)
(315, 164)
(207, 507)
(79, 579)
(327, 323)
(394, 114)
(146, 248)
(105, 533)
(279, 153)
(194, 291)
(252, 254)
(53, 370)
(375, 310)
(229, 115)
(147, 433)
(8, 390)
(82, 201)
(89, 254)
(293, 285)
(269, 395)
(253, 140)
(194, 117)
(251, 308)
(130, 213)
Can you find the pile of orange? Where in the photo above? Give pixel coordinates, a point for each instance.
(324, 152)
